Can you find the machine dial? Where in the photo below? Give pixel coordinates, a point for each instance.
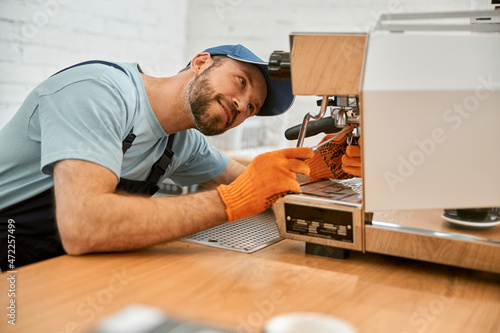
(279, 66)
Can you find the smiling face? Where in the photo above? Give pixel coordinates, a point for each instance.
(223, 95)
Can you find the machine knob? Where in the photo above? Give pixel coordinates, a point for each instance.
(279, 66)
(331, 102)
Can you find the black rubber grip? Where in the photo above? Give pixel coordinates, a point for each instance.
(326, 125)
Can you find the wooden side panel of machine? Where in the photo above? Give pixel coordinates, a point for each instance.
(329, 64)
(448, 251)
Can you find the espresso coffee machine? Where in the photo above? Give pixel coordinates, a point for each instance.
(425, 98)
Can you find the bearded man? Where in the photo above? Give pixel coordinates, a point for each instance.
(89, 146)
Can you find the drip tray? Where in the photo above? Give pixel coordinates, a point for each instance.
(244, 235)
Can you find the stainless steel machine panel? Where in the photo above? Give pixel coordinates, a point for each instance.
(431, 120)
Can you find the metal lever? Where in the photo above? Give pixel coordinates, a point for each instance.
(308, 117)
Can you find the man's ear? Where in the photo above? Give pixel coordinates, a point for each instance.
(201, 62)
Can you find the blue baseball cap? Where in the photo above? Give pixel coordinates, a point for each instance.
(279, 93)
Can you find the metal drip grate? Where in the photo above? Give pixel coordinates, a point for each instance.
(244, 235)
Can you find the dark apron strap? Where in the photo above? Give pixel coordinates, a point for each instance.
(159, 168)
(127, 143)
(102, 62)
(150, 185)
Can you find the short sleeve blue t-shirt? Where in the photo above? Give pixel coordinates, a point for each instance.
(85, 113)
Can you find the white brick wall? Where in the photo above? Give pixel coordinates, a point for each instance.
(39, 37)
(265, 26)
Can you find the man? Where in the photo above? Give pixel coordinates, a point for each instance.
(93, 132)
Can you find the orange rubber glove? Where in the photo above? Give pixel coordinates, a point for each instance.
(268, 177)
(327, 161)
(351, 161)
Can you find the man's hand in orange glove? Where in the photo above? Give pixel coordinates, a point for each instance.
(268, 177)
(351, 161)
(327, 161)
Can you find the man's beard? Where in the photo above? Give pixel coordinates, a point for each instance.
(200, 94)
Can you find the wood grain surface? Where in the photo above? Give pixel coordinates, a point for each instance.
(327, 64)
(241, 291)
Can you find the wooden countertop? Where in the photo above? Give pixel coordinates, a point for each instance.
(375, 293)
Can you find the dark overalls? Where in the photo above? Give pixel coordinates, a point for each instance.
(35, 233)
